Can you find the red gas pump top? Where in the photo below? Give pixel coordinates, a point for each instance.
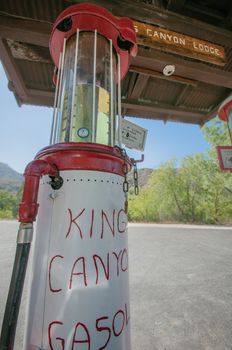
(225, 109)
(88, 17)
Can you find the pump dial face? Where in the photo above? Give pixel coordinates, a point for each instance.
(83, 132)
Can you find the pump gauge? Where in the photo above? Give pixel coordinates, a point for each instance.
(83, 132)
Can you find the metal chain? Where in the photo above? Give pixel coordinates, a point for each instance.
(125, 170)
(136, 178)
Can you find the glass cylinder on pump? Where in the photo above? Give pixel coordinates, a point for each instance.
(86, 105)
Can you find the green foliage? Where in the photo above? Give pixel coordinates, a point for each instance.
(196, 191)
(216, 134)
(142, 207)
(8, 203)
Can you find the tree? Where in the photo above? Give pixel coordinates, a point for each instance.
(7, 203)
(196, 191)
(216, 134)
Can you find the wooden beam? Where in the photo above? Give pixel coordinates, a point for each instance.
(154, 109)
(165, 118)
(179, 43)
(154, 15)
(204, 10)
(214, 110)
(36, 92)
(183, 92)
(127, 92)
(155, 74)
(210, 115)
(175, 5)
(26, 31)
(39, 98)
(39, 31)
(14, 76)
(156, 60)
(226, 21)
(139, 86)
(29, 52)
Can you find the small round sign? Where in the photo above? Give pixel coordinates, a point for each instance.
(83, 132)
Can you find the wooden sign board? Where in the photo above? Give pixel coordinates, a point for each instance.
(225, 157)
(157, 37)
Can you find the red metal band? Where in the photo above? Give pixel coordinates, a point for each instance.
(223, 111)
(84, 156)
(34, 171)
(91, 17)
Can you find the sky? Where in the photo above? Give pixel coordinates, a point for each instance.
(26, 130)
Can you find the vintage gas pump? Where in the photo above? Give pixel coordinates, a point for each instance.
(78, 295)
(225, 114)
(225, 152)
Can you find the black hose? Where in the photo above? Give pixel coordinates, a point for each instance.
(14, 297)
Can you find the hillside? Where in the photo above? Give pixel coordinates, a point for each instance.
(10, 180)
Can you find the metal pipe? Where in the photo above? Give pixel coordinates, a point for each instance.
(94, 88)
(60, 95)
(74, 84)
(119, 104)
(34, 171)
(16, 287)
(27, 214)
(54, 118)
(111, 94)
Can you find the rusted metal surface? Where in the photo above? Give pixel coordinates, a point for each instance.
(28, 52)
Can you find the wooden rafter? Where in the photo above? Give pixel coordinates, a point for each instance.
(204, 10)
(40, 97)
(183, 92)
(31, 32)
(171, 20)
(145, 13)
(139, 86)
(226, 22)
(175, 5)
(26, 31)
(148, 63)
(154, 109)
(156, 74)
(14, 76)
(156, 60)
(214, 111)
